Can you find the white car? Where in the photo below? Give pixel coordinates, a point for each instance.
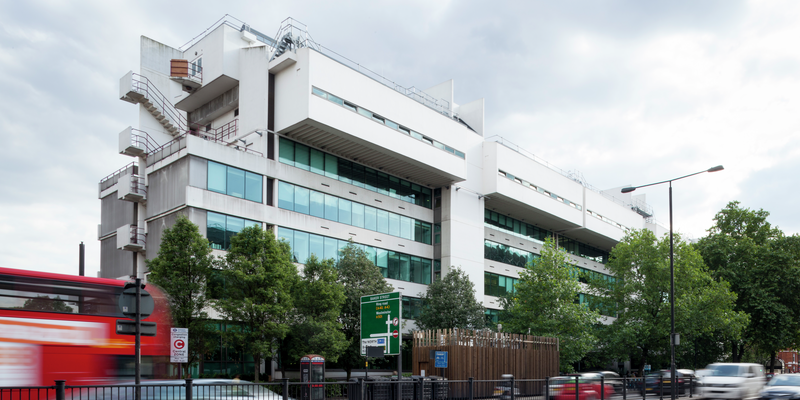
(733, 381)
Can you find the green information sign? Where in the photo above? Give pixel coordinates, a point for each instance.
(380, 322)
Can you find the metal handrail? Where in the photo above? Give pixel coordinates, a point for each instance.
(227, 131)
(137, 185)
(137, 235)
(119, 171)
(142, 140)
(142, 85)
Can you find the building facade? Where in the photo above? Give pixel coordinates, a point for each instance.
(237, 128)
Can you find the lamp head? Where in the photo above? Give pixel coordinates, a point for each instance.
(715, 169)
(628, 189)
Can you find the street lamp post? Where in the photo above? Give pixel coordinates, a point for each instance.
(672, 334)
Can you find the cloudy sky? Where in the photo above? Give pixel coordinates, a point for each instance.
(622, 92)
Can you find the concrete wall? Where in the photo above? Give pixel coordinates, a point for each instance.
(114, 213)
(114, 263)
(166, 189)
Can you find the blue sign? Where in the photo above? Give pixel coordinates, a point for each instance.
(441, 359)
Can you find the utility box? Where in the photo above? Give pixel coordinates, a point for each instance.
(312, 372)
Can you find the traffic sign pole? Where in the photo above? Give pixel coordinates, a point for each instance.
(138, 339)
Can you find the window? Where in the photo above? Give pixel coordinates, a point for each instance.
(333, 167)
(412, 307)
(235, 182)
(221, 228)
(498, 285)
(392, 264)
(381, 120)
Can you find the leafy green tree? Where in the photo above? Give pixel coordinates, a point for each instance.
(544, 303)
(360, 277)
(763, 267)
(450, 303)
(641, 266)
(318, 301)
(260, 278)
(182, 269)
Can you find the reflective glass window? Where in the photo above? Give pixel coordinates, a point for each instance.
(217, 174)
(394, 224)
(370, 218)
(253, 187)
(345, 211)
(317, 162)
(358, 215)
(234, 226)
(285, 196)
(383, 221)
(317, 200)
(301, 246)
(215, 230)
(331, 208)
(286, 149)
(301, 156)
(331, 166)
(406, 228)
(301, 200)
(316, 246)
(235, 182)
(331, 248)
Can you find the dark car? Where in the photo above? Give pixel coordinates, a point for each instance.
(661, 382)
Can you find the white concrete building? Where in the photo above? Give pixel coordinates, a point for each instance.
(236, 128)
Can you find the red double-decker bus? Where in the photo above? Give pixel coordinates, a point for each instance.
(55, 326)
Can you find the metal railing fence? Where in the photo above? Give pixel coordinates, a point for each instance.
(372, 388)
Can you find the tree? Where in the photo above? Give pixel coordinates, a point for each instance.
(641, 266)
(182, 269)
(544, 303)
(260, 278)
(318, 302)
(360, 277)
(763, 267)
(450, 303)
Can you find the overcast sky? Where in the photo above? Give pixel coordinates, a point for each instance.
(623, 92)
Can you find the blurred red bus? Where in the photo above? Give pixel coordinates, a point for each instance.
(55, 326)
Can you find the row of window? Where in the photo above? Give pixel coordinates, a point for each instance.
(539, 189)
(595, 304)
(498, 285)
(220, 228)
(520, 258)
(321, 205)
(412, 307)
(393, 265)
(235, 182)
(579, 249)
(530, 232)
(605, 219)
(515, 226)
(391, 124)
(321, 163)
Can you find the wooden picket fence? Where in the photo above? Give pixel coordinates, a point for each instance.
(485, 355)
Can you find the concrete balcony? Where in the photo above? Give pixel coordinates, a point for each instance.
(131, 238)
(132, 188)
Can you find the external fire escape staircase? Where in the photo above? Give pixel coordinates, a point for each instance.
(137, 89)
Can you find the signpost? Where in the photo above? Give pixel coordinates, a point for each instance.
(441, 359)
(179, 345)
(381, 318)
(135, 303)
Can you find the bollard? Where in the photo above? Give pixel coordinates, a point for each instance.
(644, 388)
(661, 388)
(471, 388)
(285, 388)
(602, 387)
(61, 388)
(691, 386)
(576, 389)
(359, 389)
(546, 388)
(624, 388)
(189, 388)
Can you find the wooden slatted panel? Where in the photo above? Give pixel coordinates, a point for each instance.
(485, 355)
(179, 68)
